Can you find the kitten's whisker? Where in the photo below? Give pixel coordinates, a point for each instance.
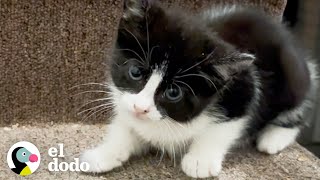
(102, 110)
(177, 123)
(157, 152)
(174, 156)
(161, 157)
(85, 117)
(152, 51)
(199, 75)
(133, 60)
(206, 58)
(144, 53)
(96, 100)
(106, 92)
(177, 86)
(160, 145)
(148, 41)
(101, 105)
(181, 136)
(172, 145)
(95, 112)
(186, 85)
(88, 84)
(106, 106)
(92, 112)
(115, 63)
(130, 50)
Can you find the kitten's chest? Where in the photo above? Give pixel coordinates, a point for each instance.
(167, 133)
(162, 134)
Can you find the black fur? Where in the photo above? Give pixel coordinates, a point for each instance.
(19, 166)
(285, 78)
(226, 80)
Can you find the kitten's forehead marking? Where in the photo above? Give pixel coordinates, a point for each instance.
(144, 98)
(153, 83)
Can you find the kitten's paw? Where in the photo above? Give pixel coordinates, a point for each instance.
(271, 146)
(274, 139)
(101, 160)
(201, 166)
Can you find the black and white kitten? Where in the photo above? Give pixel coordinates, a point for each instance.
(195, 85)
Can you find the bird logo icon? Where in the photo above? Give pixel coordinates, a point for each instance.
(23, 158)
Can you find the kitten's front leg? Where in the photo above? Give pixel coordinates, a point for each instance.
(207, 151)
(119, 144)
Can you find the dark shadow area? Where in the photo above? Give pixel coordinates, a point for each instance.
(302, 18)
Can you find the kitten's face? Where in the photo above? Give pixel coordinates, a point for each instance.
(167, 64)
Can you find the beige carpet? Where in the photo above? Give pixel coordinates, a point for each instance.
(293, 163)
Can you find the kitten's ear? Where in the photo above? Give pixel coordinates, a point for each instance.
(239, 63)
(135, 8)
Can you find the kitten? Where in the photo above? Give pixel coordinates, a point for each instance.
(196, 85)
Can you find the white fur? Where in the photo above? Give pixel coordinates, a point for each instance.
(119, 144)
(250, 57)
(219, 11)
(225, 70)
(133, 10)
(144, 100)
(208, 149)
(205, 141)
(275, 138)
(314, 74)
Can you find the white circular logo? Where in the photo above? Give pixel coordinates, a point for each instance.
(23, 158)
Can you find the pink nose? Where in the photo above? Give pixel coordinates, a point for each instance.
(33, 158)
(139, 110)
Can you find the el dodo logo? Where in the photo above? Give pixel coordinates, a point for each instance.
(57, 165)
(23, 158)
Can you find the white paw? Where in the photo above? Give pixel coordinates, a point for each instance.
(101, 160)
(200, 166)
(274, 139)
(270, 146)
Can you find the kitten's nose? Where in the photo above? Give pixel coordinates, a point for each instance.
(140, 110)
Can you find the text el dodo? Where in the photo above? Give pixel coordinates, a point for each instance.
(55, 165)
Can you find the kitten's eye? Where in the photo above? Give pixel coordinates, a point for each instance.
(174, 93)
(135, 73)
